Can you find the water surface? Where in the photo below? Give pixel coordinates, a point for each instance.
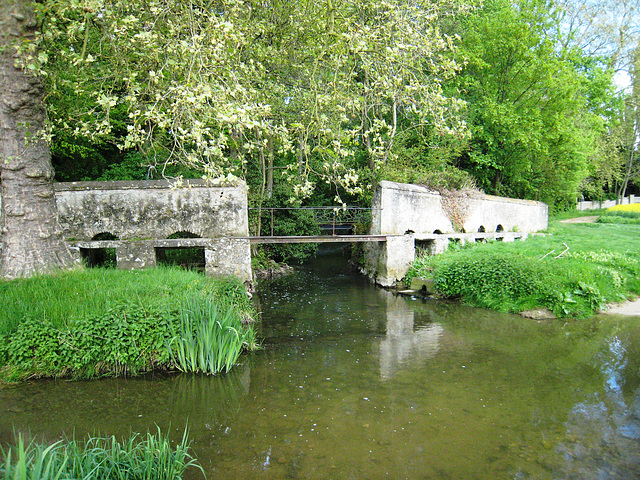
(356, 382)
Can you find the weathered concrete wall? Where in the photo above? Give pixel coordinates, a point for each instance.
(151, 209)
(224, 257)
(406, 213)
(398, 208)
(141, 215)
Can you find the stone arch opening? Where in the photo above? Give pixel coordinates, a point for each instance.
(424, 247)
(183, 234)
(187, 257)
(104, 236)
(481, 229)
(101, 256)
(499, 228)
(437, 232)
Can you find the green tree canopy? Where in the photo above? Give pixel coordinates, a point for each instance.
(222, 84)
(533, 127)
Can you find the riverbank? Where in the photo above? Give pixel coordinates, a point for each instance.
(98, 322)
(575, 270)
(630, 308)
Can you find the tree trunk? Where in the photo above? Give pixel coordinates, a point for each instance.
(269, 192)
(31, 240)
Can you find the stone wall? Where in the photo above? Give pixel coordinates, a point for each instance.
(140, 216)
(407, 214)
(151, 209)
(399, 208)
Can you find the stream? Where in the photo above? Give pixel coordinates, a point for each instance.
(356, 382)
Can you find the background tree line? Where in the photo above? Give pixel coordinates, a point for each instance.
(321, 99)
(512, 96)
(313, 102)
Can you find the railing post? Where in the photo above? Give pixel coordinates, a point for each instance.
(272, 221)
(333, 226)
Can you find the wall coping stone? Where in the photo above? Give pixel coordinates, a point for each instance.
(146, 184)
(420, 189)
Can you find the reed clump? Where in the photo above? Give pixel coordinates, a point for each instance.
(208, 338)
(149, 457)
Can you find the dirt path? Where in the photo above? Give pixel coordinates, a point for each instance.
(590, 219)
(631, 308)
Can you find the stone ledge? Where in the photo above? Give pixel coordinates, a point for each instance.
(143, 184)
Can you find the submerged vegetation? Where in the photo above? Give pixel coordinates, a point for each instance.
(105, 322)
(106, 458)
(574, 270)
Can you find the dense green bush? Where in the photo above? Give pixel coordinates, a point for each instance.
(492, 280)
(575, 271)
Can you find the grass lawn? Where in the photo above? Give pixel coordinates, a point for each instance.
(575, 269)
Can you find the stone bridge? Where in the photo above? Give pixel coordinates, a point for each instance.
(143, 220)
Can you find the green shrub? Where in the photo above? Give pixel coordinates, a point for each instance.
(104, 458)
(491, 280)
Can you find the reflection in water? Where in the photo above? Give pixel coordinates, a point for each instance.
(354, 382)
(402, 343)
(604, 430)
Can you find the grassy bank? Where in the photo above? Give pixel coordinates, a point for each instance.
(574, 270)
(97, 322)
(106, 458)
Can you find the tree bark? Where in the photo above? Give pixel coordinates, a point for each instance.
(269, 192)
(31, 240)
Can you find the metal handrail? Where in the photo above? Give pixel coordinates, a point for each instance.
(335, 215)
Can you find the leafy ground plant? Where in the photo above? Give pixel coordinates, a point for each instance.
(574, 270)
